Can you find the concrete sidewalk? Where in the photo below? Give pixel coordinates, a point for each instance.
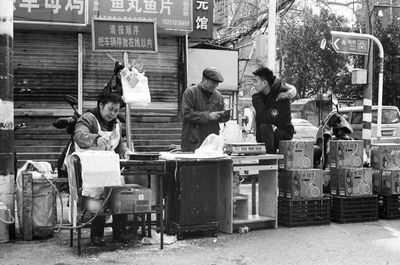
(359, 243)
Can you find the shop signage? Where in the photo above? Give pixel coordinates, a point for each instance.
(203, 16)
(62, 11)
(350, 44)
(170, 15)
(123, 35)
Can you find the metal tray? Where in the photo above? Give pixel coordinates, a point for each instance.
(144, 156)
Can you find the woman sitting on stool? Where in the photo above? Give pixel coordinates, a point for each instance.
(99, 129)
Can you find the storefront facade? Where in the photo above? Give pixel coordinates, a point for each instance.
(53, 57)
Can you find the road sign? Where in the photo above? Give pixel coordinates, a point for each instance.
(350, 44)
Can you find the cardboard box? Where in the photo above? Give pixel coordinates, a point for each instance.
(351, 181)
(386, 181)
(344, 153)
(385, 156)
(359, 76)
(130, 198)
(297, 154)
(301, 184)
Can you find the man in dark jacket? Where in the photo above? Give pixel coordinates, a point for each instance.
(203, 109)
(271, 101)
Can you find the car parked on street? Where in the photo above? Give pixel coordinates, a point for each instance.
(304, 129)
(390, 121)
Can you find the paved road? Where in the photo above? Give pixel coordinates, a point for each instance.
(361, 243)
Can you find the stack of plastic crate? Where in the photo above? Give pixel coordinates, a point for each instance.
(351, 184)
(301, 201)
(385, 161)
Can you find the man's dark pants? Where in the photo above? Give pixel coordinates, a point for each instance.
(266, 134)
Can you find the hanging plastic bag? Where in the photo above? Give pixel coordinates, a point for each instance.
(135, 87)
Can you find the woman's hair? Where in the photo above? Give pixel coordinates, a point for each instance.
(109, 97)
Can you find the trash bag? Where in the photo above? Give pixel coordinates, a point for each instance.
(212, 146)
(43, 199)
(43, 219)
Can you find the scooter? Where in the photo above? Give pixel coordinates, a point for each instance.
(69, 125)
(334, 127)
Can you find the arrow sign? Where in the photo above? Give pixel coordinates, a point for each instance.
(350, 44)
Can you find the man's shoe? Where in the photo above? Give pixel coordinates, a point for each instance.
(97, 240)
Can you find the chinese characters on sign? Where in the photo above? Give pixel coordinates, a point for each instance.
(123, 35)
(350, 44)
(66, 11)
(172, 15)
(202, 19)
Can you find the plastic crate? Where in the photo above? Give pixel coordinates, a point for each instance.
(354, 209)
(389, 206)
(306, 212)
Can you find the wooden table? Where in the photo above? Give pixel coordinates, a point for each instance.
(263, 167)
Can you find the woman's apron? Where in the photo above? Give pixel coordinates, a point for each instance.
(114, 138)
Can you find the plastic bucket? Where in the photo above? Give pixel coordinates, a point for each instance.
(5, 219)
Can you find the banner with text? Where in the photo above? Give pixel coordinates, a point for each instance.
(123, 35)
(62, 11)
(203, 17)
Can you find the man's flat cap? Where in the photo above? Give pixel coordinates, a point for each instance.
(213, 74)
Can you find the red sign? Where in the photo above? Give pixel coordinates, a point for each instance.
(64, 11)
(123, 35)
(170, 15)
(203, 16)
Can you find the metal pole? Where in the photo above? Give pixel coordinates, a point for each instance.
(128, 114)
(7, 169)
(380, 81)
(367, 113)
(80, 73)
(271, 35)
(380, 95)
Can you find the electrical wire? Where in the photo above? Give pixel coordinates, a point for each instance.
(91, 219)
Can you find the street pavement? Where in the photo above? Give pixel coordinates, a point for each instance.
(358, 243)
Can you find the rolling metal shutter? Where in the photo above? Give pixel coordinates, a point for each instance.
(45, 68)
(160, 68)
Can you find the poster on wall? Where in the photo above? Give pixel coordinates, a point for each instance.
(226, 61)
(61, 11)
